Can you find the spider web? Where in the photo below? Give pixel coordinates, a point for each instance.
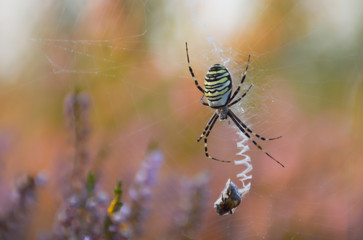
(129, 57)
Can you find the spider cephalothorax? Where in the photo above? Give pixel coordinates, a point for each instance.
(218, 92)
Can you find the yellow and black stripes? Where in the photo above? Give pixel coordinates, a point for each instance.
(237, 121)
(217, 86)
(218, 92)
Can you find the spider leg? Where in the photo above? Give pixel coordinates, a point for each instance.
(214, 119)
(239, 99)
(234, 119)
(191, 70)
(255, 134)
(204, 103)
(242, 80)
(215, 115)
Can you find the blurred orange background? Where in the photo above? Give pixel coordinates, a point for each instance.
(129, 58)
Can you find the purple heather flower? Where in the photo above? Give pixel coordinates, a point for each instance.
(23, 195)
(81, 217)
(76, 110)
(192, 205)
(136, 212)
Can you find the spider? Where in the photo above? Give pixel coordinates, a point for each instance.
(218, 92)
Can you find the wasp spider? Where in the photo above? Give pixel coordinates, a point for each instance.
(218, 92)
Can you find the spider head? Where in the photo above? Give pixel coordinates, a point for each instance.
(222, 112)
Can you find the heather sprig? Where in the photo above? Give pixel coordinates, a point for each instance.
(116, 203)
(82, 213)
(22, 198)
(192, 206)
(114, 229)
(134, 213)
(76, 111)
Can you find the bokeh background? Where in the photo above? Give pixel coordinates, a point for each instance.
(128, 58)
